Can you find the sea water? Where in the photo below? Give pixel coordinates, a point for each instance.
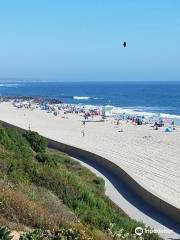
(145, 97)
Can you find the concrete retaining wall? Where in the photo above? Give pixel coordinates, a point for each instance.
(159, 204)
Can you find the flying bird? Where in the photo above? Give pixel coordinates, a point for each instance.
(124, 44)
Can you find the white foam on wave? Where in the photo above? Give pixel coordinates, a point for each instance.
(9, 84)
(134, 111)
(86, 98)
(169, 115)
(96, 98)
(81, 98)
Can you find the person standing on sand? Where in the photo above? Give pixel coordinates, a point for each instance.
(83, 132)
(172, 123)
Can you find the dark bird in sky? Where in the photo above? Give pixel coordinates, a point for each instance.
(124, 44)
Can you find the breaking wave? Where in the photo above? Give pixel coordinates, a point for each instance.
(81, 98)
(9, 84)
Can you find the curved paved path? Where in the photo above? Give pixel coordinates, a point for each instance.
(131, 203)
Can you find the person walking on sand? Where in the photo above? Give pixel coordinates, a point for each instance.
(83, 132)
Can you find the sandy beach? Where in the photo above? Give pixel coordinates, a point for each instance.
(151, 157)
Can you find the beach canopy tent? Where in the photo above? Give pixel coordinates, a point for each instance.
(17, 104)
(25, 103)
(140, 118)
(108, 111)
(45, 106)
(122, 116)
(118, 116)
(167, 121)
(92, 109)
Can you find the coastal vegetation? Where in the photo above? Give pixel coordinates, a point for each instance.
(46, 194)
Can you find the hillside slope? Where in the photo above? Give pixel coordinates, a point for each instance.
(41, 188)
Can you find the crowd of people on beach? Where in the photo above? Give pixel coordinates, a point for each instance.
(91, 113)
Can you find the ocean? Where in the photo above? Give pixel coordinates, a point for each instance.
(151, 97)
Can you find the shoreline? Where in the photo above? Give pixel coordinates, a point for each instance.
(112, 110)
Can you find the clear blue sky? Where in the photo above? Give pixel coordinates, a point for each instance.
(82, 39)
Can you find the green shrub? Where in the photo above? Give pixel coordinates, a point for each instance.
(45, 158)
(35, 235)
(91, 208)
(37, 142)
(12, 140)
(64, 161)
(4, 138)
(62, 234)
(42, 157)
(19, 144)
(5, 234)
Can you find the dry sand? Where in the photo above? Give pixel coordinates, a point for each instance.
(151, 157)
